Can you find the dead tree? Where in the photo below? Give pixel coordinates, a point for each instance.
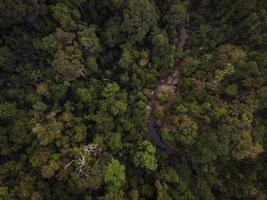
(83, 158)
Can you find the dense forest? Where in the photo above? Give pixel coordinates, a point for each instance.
(76, 82)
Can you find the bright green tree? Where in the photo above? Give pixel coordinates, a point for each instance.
(114, 175)
(145, 156)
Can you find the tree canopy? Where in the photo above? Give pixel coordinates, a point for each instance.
(133, 99)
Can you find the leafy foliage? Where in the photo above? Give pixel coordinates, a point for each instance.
(85, 85)
(145, 156)
(114, 175)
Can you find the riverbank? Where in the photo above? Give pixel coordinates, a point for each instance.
(170, 81)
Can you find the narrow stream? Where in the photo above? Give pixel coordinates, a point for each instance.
(171, 79)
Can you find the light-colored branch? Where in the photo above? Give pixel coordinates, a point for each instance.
(66, 166)
(82, 160)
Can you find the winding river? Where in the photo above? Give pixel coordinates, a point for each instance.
(171, 79)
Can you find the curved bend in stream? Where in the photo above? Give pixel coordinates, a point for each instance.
(171, 79)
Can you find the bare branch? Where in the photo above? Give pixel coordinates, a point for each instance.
(84, 156)
(66, 166)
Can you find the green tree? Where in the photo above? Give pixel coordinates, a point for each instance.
(62, 14)
(86, 95)
(88, 39)
(19, 132)
(174, 17)
(5, 58)
(48, 132)
(221, 73)
(126, 59)
(145, 156)
(7, 110)
(114, 142)
(4, 194)
(162, 194)
(114, 175)
(113, 196)
(67, 64)
(231, 90)
(176, 14)
(113, 34)
(91, 64)
(110, 90)
(139, 18)
(55, 41)
(187, 130)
